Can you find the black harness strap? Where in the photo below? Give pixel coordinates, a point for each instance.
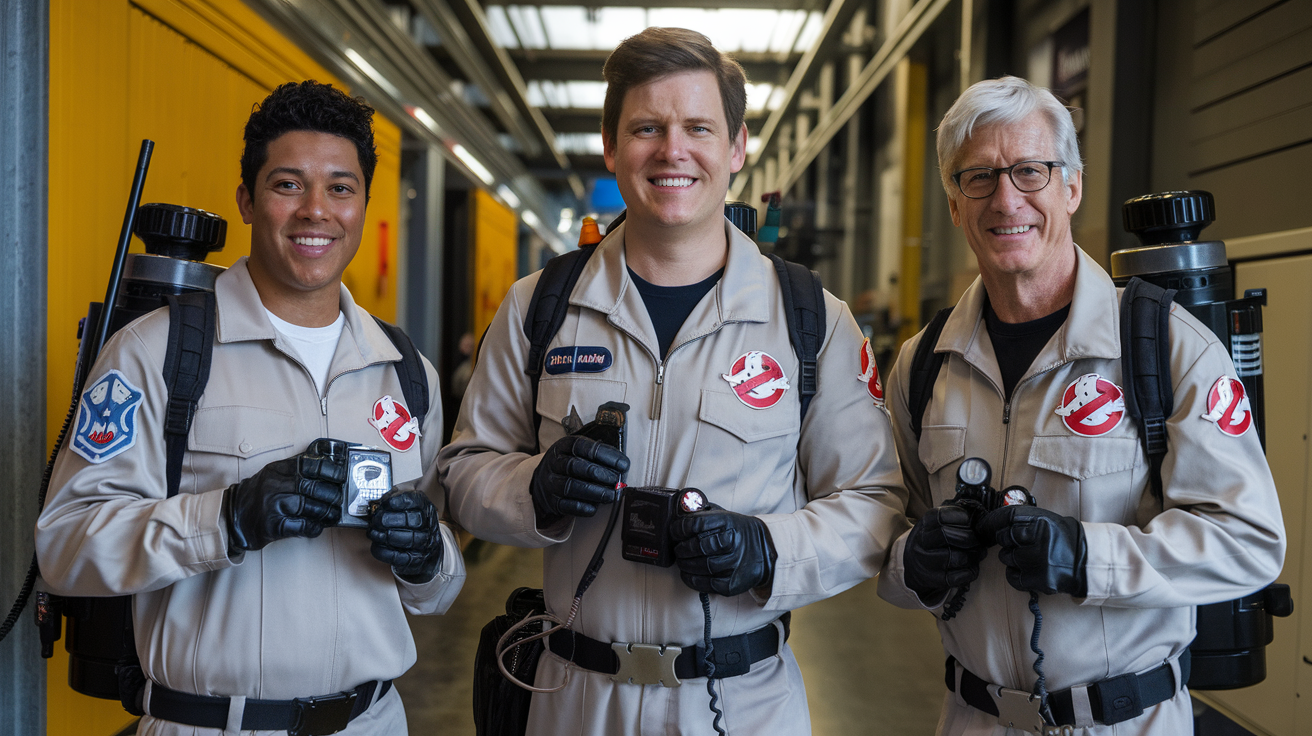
(546, 313)
(410, 371)
(804, 303)
(925, 365)
(1146, 367)
(186, 371)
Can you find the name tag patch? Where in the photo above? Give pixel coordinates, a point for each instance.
(578, 359)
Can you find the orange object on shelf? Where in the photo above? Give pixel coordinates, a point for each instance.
(590, 234)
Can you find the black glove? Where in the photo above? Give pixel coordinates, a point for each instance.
(295, 497)
(943, 551)
(406, 535)
(719, 551)
(1043, 551)
(575, 476)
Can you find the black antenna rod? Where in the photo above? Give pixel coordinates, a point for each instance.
(124, 239)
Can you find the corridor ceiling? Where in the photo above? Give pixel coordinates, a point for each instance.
(513, 91)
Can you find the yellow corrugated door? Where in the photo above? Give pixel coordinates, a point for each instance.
(495, 239)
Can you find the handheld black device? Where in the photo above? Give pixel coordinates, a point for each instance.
(648, 513)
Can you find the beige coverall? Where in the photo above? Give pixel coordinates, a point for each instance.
(298, 618)
(827, 488)
(1217, 536)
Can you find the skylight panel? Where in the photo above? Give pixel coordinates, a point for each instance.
(528, 26)
(535, 96)
(743, 29)
(810, 32)
(786, 30)
(758, 95)
(586, 94)
(567, 27)
(499, 25)
(577, 144)
(616, 24)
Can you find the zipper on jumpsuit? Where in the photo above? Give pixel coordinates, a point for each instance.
(1016, 668)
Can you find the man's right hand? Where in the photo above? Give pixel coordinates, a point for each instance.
(295, 497)
(576, 475)
(942, 552)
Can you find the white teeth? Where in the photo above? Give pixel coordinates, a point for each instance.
(312, 242)
(1011, 230)
(674, 181)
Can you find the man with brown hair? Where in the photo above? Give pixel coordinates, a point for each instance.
(679, 316)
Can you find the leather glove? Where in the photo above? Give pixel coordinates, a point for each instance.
(719, 551)
(575, 476)
(406, 535)
(942, 551)
(1043, 551)
(295, 497)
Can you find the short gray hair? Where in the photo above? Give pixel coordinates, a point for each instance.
(1003, 101)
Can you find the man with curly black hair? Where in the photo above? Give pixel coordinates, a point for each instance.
(255, 607)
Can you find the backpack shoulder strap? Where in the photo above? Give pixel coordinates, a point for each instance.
(1146, 367)
(546, 312)
(925, 365)
(186, 371)
(409, 371)
(804, 303)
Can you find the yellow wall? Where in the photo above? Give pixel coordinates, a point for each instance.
(183, 73)
(495, 237)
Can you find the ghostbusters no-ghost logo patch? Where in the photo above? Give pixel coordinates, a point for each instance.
(870, 373)
(757, 379)
(1091, 406)
(107, 418)
(1228, 406)
(394, 423)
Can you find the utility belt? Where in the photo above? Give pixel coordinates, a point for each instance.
(1105, 702)
(317, 716)
(669, 665)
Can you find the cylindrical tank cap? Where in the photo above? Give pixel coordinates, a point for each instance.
(179, 232)
(1169, 217)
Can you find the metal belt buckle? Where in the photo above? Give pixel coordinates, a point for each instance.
(1019, 709)
(646, 664)
(323, 715)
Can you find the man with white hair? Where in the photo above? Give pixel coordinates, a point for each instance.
(1030, 382)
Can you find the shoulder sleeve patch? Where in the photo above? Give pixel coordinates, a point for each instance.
(107, 418)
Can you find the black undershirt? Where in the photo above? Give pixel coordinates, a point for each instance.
(1016, 345)
(669, 306)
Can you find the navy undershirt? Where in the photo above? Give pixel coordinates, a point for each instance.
(669, 306)
(1017, 344)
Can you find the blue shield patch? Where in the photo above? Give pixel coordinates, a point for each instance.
(578, 359)
(107, 418)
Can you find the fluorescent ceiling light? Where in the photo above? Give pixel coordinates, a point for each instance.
(474, 164)
(372, 73)
(531, 219)
(566, 220)
(420, 114)
(504, 192)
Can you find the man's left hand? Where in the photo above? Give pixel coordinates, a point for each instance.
(719, 551)
(1043, 551)
(406, 535)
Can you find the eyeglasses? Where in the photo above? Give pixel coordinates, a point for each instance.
(1028, 176)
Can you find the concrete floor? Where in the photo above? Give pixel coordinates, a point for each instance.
(870, 668)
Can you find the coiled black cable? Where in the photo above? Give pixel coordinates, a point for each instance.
(1040, 685)
(710, 666)
(29, 582)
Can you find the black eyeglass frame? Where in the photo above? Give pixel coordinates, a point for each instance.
(956, 178)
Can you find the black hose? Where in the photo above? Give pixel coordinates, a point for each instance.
(710, 666)
(25, 593)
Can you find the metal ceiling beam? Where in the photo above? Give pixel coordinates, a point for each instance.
(905, 35)
(585, 64)
(457, 42)
(386, 69)
(472, 20)
(754, 4)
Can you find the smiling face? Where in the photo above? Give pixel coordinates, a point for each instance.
(673, 153)
(1018, 235)
(306, 216)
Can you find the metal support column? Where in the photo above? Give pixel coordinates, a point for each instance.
(24, 47)
(847, 285)
(423, 302)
